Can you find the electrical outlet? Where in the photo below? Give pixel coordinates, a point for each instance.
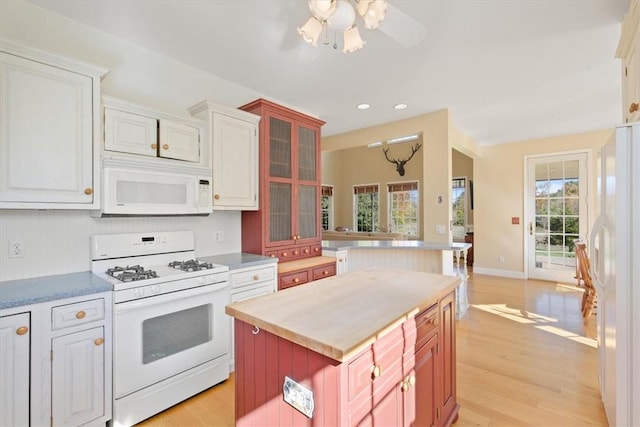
(219, 236)
(16, 249)
(440, 229)
(501, 258)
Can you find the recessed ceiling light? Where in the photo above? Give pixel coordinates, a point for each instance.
(400, 106)
(363, 106)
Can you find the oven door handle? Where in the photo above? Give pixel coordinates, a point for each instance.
(171, 297)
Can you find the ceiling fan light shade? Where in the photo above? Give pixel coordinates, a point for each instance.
(343, 17)
(322, 9)
(310, 31)
(352, 40)
(372, 12)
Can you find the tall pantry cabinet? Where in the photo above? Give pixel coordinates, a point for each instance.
(287, 223)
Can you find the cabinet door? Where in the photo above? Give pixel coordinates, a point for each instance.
(235, 163)
(422, 391)
(631, 84)
(386, 412)
(130, 133)
(447, 355)
(280, 182)
(14, 370)
(307, 181)
(77, 375)
(178, 141)
(46, 133)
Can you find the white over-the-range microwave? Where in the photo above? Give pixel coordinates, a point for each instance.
(148, 188)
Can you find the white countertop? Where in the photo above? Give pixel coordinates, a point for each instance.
(338, 245)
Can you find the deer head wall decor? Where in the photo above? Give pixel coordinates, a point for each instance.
(400, 163)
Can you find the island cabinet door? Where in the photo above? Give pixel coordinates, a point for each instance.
(421, 386)
(447, 356)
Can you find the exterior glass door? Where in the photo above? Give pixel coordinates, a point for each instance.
(557, 214)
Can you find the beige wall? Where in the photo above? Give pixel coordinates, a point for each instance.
(499, 195)
(436, 166)
(361, 165)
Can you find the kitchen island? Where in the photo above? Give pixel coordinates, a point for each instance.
(372, 347)
(430, 257)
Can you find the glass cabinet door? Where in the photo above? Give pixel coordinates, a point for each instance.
(307, 188)
(280, 180)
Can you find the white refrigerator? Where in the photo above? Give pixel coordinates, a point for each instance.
(615, 270)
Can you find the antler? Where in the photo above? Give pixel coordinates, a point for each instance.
(400, 163)
(414, 150)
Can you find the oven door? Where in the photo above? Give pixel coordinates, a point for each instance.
(161, 336)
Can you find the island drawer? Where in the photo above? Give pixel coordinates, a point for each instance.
(65, 316)
(293, 279)
(426, 325)
(251, 277)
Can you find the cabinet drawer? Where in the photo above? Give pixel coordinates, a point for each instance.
(252, 277)
(324, 271)
(426, 325)
(65, 316)
(316, 250)
(293, 279)
(287, 254)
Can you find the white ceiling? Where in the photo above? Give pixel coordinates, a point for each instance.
(508, 70)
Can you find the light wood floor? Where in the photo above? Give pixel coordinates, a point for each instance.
(523, 358)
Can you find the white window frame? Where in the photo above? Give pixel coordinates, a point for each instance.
(389, 206)
(376, 215)
(466, 206)
(329, 209)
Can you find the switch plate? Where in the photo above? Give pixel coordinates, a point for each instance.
(16, 249)
(515, 220)
(298, 396)
(440, 229)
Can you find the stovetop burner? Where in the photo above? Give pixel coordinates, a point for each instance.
(191, 265)
(131, 273)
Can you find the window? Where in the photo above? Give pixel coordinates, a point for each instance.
(326, 207)
(459, 208)
(403, 208)
(366, 208)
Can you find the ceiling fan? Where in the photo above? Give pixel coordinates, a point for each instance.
(340, 17)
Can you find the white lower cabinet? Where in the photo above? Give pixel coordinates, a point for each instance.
(250, 282)
(14, 369)
(78, 380)
(55, 363)
(342, 265)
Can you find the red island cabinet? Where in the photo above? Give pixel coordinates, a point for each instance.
(404, 378)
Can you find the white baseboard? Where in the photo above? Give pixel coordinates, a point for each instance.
(500, 273)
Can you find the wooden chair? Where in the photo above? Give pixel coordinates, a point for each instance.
(584, 279)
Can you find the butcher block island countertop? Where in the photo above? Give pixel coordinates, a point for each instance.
(340, 315)
(370, 347)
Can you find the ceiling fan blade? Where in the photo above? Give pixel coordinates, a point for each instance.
(401, 27)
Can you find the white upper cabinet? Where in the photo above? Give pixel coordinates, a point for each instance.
(134, 129)
(130, 133)
(178, 141)
(49, 132)
(234, 149)
(629, 52)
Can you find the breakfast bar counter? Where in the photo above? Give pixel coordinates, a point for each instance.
(375, 346)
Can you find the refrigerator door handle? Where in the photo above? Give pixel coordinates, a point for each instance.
(594, 266)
